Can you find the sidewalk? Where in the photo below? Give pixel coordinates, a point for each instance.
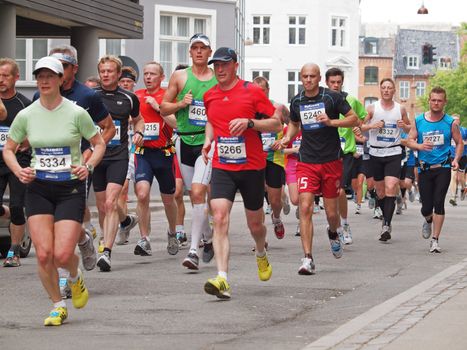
(443, 328)
(430, 315)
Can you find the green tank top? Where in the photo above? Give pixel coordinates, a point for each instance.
(192, 119)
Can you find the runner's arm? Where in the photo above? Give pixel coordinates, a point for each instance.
(169, 103)
(3, 112)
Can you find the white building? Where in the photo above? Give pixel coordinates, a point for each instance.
(282, 36)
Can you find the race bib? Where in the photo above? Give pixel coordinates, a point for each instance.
(53, 163)
(308, 114)
(268, 139)
(342, 143)
(115, 141)
(3, 135)
(297, 142)
(151, 131)
(436, 137)
(359, 149)
(387, 133)
(197, 113)
(231, 150)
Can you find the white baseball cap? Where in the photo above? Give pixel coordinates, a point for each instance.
(200, 38)
(49, 62)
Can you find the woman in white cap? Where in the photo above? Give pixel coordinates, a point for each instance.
(55, 197)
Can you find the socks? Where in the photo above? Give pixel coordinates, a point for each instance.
(222, 274)
(388, 209)
(60, 303)
(108, 250)
(180, 228)
(344, 221)
(125, 222)
(332, 235)
(198, 222)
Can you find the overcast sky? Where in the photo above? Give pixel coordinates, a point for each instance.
(405, 11)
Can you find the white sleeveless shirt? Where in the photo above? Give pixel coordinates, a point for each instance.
(386, 141)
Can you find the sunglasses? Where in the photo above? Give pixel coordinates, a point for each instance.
(199, 36)
(65, 65)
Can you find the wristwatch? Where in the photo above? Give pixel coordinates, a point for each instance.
(90, 168)
(139, 132)
(250, 124)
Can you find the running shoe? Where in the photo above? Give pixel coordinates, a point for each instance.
(340, 234)
(453, 202)
(208, 252)
(172, 244)
(181, 237)
(191, 261)
(316, 209)
(463, 194)
(88, 252)
(411, 196)
(385, 233)
(12, 260)
(434, 246)
(336, 246)
(286, 205)
(371, 203)
(143, 247)
(347, 233)
(297, 231)
(100, 247)
(65, 290)
(264, 268)
(268, 210)
(56, 317)
(104, 262)
(426, 229)
(218, 286)
(79, 292)
(358, 209)
(124, 231)
(307, 268)
(279, 230)
(378, 213)
(93, 231)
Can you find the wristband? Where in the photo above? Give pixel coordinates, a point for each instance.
(139, 132)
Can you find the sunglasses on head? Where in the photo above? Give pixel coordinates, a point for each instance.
(199, 36)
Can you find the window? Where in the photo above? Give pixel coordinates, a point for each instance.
(420, 88)
(261, 29)
(297, 29)
(369, 100)
(412, 62)
(371, 75)
(338, 31)
(404, 90)
(28, 52)
(114, 47)
(294, 84)
(445, 63)
(371, 46)
(260, 73)
(175, 34)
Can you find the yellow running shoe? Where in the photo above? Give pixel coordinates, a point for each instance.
(56, 317)
(100, 248)
(264, 268)
(218, 286)
(79, 292)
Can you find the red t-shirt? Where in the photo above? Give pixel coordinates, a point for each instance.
(295, 142)
(244, 100)
(157, 133)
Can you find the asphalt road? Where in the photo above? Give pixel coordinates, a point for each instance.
(155, 303)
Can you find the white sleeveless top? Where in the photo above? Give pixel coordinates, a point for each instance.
(386, 141)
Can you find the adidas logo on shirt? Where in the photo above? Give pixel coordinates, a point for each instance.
(225, 98)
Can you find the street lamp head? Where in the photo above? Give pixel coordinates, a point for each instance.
(422, 10)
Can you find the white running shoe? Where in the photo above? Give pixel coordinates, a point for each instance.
(307, 268)
(434, 246)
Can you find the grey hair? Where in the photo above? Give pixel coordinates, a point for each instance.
(71, 50)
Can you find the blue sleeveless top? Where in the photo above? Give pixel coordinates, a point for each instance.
(440, 134)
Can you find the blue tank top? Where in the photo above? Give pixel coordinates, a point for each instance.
(463, 132)
(440, 134)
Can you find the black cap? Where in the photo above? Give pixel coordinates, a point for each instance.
(224, 54)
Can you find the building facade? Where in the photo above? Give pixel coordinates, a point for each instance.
(281, 38)
(419, 54)
(375, 63)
